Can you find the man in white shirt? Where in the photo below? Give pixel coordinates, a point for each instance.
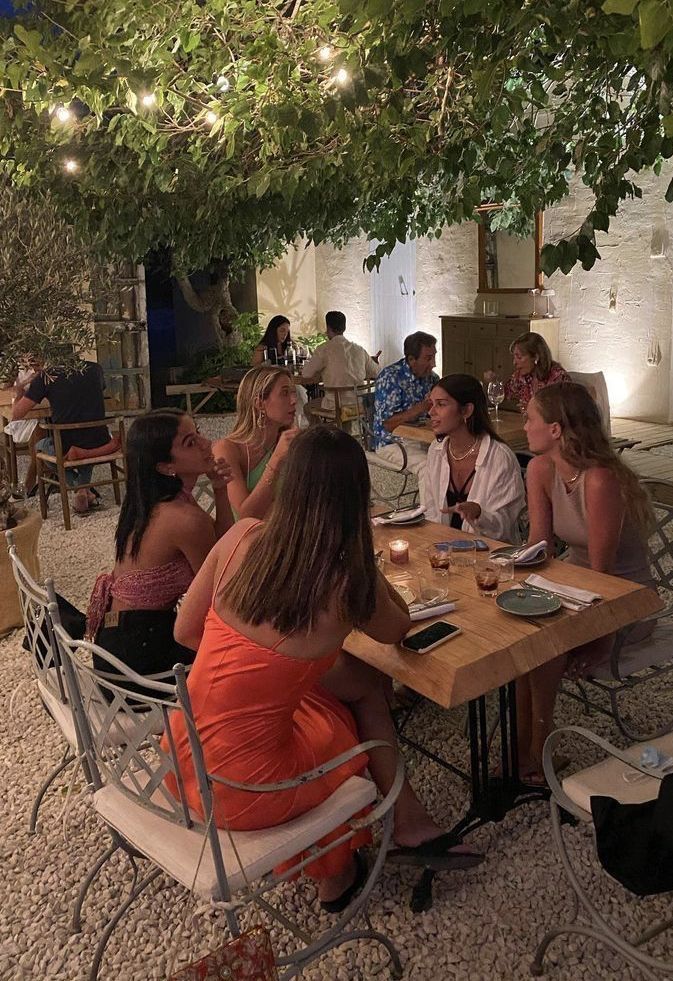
(338, 363)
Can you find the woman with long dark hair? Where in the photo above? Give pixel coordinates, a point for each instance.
(162, 538)
(275, 343)
(582, 491)
(269, 612)
(472, 480)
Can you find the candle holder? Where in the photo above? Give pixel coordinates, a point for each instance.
(399, 551)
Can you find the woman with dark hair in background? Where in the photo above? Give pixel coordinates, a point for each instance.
(269, 612)
(276, 342)
(534, 368)
(472, 480)
(162, 538)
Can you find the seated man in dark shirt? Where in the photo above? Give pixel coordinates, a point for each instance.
(74, 396)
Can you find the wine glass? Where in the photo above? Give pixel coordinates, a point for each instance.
(496, 395)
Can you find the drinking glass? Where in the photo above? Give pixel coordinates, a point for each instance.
(463, 556)
(439, 556)
(487, 575)
(505, 564)
(496, 395)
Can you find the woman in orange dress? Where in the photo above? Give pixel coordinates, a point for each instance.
(269, 611)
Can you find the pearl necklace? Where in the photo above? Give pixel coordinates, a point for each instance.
(465, 455)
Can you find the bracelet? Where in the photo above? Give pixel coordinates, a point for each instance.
(271, 472)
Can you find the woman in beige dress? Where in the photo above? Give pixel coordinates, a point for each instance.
(580, 490)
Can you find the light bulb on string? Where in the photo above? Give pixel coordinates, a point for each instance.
(223, 83)
(326, 52)
(63, 114)
(149, 100)
(70, 166)
(341, 77)
(211, 117)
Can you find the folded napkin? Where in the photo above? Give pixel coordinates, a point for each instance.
(406, 514)
(571, 597)
(21, 429)
(529, 553)
(438, 610)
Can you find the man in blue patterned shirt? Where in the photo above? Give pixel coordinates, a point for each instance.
(402, 391)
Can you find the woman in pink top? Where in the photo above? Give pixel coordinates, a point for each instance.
(162, 538)
(534, 368)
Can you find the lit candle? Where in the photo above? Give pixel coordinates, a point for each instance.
(399, 551)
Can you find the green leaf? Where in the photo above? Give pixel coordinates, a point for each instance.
(262, 185)
(668, 125)
(669, 192)
(550, 259)
(655, 22)
(624, 7)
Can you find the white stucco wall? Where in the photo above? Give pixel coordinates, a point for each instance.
(342, 285)
(593, 335)
(289, 288)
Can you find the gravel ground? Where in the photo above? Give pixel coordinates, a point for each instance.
(484, 924)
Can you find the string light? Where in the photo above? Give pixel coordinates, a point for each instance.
(223, 83)
(63, 114)
(211, 117)
(149, 100)
(342, 76)
(71, 166)
(325, 53)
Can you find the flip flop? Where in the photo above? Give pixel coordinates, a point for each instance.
(339, 904)
(435, 854)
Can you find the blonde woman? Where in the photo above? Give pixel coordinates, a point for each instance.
(534, 368)
(257, 446)
(580, 490)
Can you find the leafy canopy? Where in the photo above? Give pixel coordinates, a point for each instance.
(226, 129)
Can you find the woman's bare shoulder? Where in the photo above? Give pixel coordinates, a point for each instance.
(540, 468)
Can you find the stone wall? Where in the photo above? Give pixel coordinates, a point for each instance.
(612, 318)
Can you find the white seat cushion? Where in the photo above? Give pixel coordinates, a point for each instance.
(176, 849)
(61, 714)
(380, 461)
(606, 779)
(651, 652)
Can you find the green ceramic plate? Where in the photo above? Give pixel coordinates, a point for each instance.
(508, 549)
(528, 602)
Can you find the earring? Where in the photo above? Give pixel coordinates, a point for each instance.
(261, 422)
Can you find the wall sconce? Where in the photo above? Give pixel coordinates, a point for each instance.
(612, 302)
(659, 241)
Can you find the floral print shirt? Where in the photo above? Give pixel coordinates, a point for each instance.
(397, 389)
(522, 388)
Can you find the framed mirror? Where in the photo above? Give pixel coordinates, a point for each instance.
(507, 263)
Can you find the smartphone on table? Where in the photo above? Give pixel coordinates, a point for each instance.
(429, 637)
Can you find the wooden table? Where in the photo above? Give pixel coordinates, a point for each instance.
(509, 428)
(493, 650)
(210, 388)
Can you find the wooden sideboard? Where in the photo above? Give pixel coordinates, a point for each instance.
(474, 344)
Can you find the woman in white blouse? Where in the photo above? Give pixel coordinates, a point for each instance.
(473, 480)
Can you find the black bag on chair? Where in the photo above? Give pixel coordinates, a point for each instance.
(635, 841)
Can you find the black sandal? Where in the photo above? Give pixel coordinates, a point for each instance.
(435, 854)
(339, 904)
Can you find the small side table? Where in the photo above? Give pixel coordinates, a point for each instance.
(26, 538)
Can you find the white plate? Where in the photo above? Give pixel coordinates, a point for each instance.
(508, 549)
(407, 521)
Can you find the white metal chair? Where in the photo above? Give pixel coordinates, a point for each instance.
(574, 796)
(386, 471)
(146, 820)
(650, 660)
(40, 614)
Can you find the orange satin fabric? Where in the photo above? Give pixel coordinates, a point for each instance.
(263, 717)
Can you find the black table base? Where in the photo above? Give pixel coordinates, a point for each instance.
(492, 798)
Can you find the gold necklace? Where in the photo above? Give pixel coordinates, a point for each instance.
(575, 476)
(465, 455)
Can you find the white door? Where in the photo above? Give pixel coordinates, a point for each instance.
(393, 301)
